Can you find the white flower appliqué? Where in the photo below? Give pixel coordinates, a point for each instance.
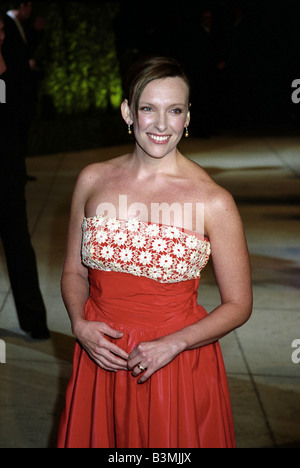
(159, 252)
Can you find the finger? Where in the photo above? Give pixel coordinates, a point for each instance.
(132, 363)
(134, 359)
(109, 331)
(138, 369)
(110, 366)
(116, 350)
(104, 365)
(145, 376)
(113, 359)
(107, 362)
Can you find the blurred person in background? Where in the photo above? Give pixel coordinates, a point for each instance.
(15, 116)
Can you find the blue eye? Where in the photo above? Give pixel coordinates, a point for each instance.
(176, 111)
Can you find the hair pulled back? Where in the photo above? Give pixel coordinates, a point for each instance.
(147, 70)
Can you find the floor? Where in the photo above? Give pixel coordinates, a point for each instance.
(263, 370)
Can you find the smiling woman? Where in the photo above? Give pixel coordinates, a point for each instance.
(159, 121)
(157, 104)
(148, 369)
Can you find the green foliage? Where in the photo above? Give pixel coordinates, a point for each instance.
(81, 67)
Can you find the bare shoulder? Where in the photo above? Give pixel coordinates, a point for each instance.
(213, 195)
(218, 199)
(221, 214)
(98, 172)
(219, 204)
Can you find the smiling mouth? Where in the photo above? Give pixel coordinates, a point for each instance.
(160, 139)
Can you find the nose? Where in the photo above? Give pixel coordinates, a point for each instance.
(161, 122)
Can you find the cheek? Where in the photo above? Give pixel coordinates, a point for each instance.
(180, 123)
(144, 121)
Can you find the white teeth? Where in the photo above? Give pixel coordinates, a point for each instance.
(159, 138)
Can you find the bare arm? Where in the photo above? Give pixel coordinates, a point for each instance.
(233, 275)
(74, 281)
(75, 288)
(232, 269)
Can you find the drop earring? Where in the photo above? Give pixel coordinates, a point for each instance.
(186, 132)
(129, 130)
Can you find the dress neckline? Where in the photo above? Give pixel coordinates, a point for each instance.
(149, 223)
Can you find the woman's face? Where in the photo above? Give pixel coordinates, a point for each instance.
(163, 112)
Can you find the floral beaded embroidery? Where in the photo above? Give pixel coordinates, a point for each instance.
(160, 252)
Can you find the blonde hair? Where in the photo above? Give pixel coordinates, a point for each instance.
(147, 70)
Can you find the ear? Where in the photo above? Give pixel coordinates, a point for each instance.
(188, 117)
(126, 112)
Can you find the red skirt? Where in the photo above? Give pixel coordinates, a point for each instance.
(183, 405)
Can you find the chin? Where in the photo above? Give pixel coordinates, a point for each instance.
(157, 151)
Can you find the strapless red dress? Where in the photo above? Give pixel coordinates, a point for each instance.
(143, 281)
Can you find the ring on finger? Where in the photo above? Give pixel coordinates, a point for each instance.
(141, 367)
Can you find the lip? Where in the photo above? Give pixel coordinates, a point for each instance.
(159, 139)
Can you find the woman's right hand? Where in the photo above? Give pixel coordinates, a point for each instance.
(107, 355)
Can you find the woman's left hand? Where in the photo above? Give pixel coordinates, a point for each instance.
(150, 356)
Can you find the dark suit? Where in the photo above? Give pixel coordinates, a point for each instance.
(15, 118)
(18, 110)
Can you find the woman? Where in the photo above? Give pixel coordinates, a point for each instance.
(148, 370)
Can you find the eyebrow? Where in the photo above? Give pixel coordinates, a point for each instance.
(147, 103)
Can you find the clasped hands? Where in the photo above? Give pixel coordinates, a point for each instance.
(145, 359)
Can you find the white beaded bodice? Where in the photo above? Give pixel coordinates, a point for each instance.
(160, 252)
